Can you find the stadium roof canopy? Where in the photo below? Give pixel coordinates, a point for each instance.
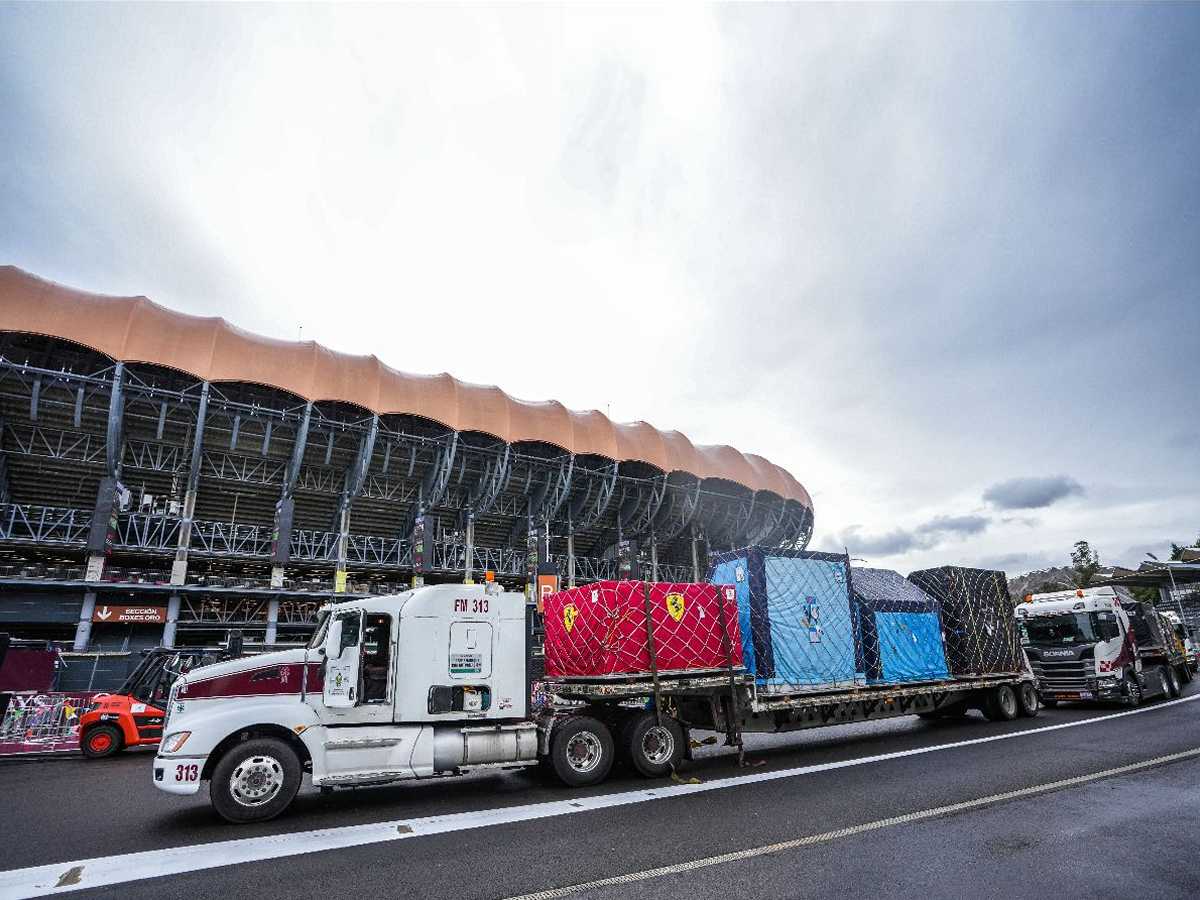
(135, 329)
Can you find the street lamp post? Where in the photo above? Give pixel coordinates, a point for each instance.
(1174, 594)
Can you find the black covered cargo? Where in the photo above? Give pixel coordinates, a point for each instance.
(977, 617)
(1146, 627)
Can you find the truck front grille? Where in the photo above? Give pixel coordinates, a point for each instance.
(1069, 675)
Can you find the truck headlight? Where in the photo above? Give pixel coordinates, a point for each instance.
(1108, 682)
(173, 742)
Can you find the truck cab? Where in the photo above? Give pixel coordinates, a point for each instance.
(1081, 646)
(428, 682)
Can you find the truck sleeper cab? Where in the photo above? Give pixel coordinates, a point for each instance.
(422, 683)
(1083, 645)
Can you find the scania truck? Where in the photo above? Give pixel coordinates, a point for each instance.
(1095, 644)
(440, 680)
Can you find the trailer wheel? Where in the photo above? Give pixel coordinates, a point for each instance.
(1000, 704)
(1174, 682)
(102, 741)
(1027, 699)
(255, 780)
(1164, 683)
(652, 749)
(581, 751)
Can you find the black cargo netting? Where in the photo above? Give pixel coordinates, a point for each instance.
(978, 621)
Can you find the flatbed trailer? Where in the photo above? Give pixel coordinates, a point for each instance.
(730, 703)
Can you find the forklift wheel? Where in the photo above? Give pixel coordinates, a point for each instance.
(102, 742)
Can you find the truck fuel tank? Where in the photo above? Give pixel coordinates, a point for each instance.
(456, 748)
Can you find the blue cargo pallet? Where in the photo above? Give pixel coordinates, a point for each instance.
(796, 619)
(899, 629)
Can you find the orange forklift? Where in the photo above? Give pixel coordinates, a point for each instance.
(133, 716)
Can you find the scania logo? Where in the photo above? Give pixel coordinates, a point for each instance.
(1058, 653)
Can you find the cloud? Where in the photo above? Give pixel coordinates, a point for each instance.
(1032, 493)
(926, 536)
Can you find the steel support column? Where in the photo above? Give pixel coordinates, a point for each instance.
(173, 605)
(469, 564)
(272, 620)
(116, 406)
(283, 513)
(356, 477)
(180, 566)
(83, 631)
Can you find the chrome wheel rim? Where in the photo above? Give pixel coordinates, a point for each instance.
(256, 780)
(658, 744)
(1008, 702)
(584, 751)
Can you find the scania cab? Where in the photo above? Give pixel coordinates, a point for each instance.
(1092, 644)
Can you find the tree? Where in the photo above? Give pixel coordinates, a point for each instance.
(1177, 549)
(1085, 563)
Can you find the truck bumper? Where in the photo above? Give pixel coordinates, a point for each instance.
(178, 774)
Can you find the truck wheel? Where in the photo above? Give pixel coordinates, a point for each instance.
(1174, 682)
(1133, 691)
(1027, 699)
(652, 749)
(102, 741)
(1000, 704)
(581, 751)
(255, 781)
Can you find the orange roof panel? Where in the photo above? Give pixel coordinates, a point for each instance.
(134, 329)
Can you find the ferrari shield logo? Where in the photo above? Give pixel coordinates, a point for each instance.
(570, 613)
(675, 606)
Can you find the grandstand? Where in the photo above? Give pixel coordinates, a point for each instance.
(217, 480)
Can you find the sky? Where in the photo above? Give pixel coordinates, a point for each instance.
(940, 262)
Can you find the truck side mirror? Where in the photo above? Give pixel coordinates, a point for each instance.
(333, 641)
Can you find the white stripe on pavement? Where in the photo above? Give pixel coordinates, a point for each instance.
(56, 878)
(735, 856)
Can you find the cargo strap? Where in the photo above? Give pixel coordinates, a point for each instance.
(733, 716)
(654, 675)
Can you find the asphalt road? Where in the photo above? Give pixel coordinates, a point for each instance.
(1123, 834)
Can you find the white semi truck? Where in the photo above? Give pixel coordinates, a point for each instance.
(1095, 644)
(437, 681)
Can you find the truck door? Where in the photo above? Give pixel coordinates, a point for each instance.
(343, 659)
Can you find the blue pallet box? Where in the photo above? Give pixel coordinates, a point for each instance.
(795, 616)
(899, 629)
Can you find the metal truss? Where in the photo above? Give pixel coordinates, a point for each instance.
(587, 509)
(226, 466)
(43, 524)
(53, 443)
(154, 456)
(681, 513)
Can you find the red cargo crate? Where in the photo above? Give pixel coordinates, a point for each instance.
(600, 629)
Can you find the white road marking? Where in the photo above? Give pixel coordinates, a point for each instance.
(824, 836)
(57, 878)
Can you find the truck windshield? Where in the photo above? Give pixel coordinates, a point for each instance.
(318, 637)
(1072, 628)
